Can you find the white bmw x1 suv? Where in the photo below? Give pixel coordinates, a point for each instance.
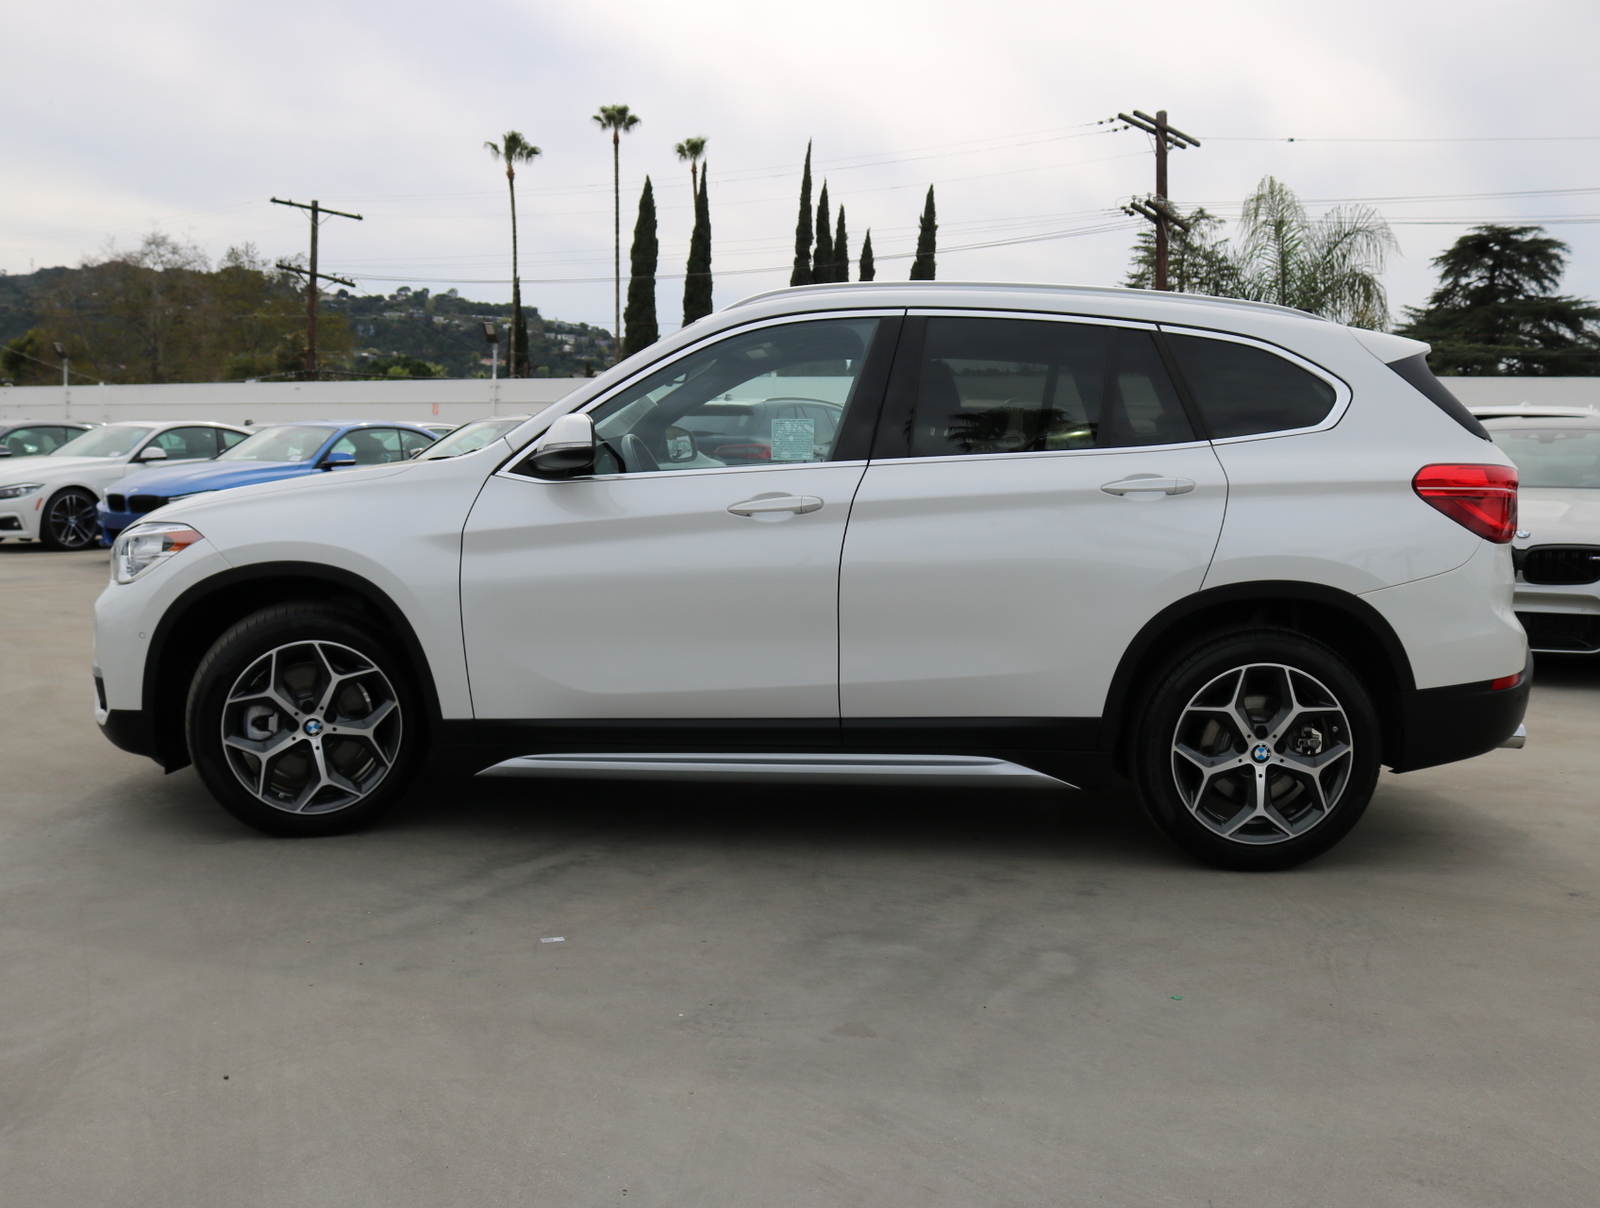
(1000, 535)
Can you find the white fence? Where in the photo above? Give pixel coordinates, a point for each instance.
(456, 400)
(463, 399)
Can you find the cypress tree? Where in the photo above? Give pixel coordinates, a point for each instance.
(697, 279)
(869, 270)
(802, 230)
(822, 260)
(922, 266)
(639, 320)
(841, 251)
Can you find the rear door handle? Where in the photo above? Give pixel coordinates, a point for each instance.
(1141, 483)
(764, 504)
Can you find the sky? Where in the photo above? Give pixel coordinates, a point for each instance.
(186, 117)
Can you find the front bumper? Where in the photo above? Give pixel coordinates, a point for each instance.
(1443, 725)
(1561, 618)
(20, 517)
(112, 523)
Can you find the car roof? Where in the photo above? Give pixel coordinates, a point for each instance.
(1523, 423)
(330, 424)
(861, 292)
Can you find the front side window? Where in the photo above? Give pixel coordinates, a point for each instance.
(771, 396)
(371, 446)
(1244, 391)
(34, 442)
(1032, 385)
(114, 440)
(415, 442)
(229, 437)
(190, 444)
(1553, 457)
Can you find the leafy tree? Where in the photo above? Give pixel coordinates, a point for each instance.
(511, 150)
(402, 367)
(690, 150)
(922, 268)
(1329, 265)
(619, 120)
(822, 258)
(697, 275)
(639, 321)
(1198, 260)
(841, 251)
(802, 229)
(29, 360)
(869, 270)
(1496, 310)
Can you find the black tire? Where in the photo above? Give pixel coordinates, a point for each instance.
(1198, 772)
(330, 706)
(70, 520)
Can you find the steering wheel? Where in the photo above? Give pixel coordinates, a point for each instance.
(636, 455)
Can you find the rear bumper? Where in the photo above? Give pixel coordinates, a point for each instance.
(1443, 725)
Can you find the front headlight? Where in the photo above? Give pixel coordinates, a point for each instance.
(18, 490)
(141, 547)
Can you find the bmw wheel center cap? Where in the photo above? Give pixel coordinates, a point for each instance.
(1261, 752)
(313, 727)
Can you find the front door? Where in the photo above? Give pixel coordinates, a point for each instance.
(676, 584)
(1044, 495)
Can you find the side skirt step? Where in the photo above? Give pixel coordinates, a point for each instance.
(944, 771)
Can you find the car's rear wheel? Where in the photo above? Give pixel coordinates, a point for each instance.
(1260, 750)
(302, 722)
(70, 520)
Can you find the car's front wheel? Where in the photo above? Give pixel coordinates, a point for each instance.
(302, 722)
(70, 520)
(1259, 750)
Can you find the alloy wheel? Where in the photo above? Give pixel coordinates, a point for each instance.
(73, 520)
(1262, 754)
(311, 727)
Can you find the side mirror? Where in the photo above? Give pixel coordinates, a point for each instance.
(566, 450)
(681, 446)
(334, 461)
(152, 453)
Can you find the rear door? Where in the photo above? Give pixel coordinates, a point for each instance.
(1037, 493)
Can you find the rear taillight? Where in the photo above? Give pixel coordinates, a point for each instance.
(1504, 682)
(1480, 498)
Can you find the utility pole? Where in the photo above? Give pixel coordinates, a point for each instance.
(1156, 207)
(316, 210)
(66, 386)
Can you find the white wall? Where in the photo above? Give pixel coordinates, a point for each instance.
(1538, 391)
(269, 402)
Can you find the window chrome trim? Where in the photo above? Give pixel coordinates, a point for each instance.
(716, 337)
(1342, 394)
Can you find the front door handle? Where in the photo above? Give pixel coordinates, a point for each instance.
(1141, 483)
(765, 504)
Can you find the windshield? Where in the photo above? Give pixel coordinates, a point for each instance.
(1553, 457)
(115, 440)
(469, 438)
(292, 442)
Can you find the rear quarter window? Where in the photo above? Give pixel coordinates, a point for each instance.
(1242, 390)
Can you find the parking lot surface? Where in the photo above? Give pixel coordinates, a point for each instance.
(779, 997)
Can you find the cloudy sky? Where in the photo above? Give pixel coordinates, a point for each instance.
(188, 116)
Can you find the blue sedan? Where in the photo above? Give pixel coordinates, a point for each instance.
(283, 451)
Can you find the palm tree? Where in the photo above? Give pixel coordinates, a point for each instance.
(690, 150)
(1329, 266)
(511, 150)
(619, 121)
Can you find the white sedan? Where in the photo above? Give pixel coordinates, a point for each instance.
(52, 499)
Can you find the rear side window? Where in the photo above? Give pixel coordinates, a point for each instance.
(415, 442)
(230, 438)
(371, 446)
(188, 444)
(1029, 385)
(1243, 391)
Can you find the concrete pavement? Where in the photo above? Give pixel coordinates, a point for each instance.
(770, 998)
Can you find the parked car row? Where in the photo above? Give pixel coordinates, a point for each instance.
(72, 485)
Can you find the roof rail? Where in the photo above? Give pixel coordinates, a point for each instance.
(1021, 286)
